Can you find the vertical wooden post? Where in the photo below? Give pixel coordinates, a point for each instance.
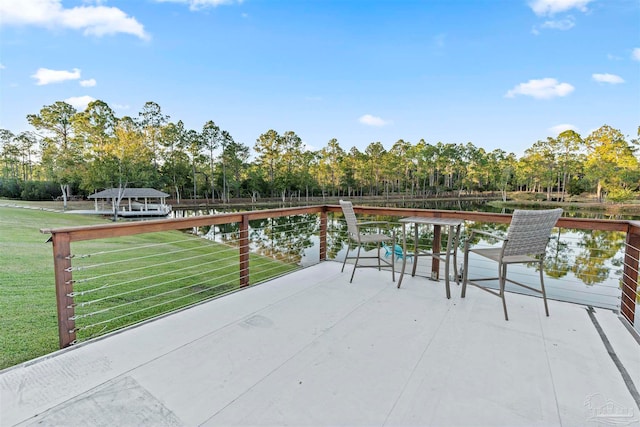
(64, 287)
(630, 276)
(323, 235)
(244, 251)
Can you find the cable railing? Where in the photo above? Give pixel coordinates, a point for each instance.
(630, 299)
(135, 280)
(116, 275)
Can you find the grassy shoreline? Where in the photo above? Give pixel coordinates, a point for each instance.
(572, 206)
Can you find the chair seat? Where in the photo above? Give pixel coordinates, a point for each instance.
(375, 238)
(494, 254)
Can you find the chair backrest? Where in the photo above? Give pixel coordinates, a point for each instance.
(529, 231)
(350, 217)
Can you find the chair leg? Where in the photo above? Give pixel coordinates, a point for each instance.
(456, 239)
(455, 268)
(393, 259)
(544, 293)
(465, 270)
(355, 265)
(345, 257)
(502, 269)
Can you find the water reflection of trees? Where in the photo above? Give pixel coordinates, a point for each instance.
(597, 247)
(337, 236)
(557, 261)
(229, 234)
(284, 238)
(590, 255)
(590, 258)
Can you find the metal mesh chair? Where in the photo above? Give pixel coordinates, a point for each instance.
(526, 242)
(369, 232)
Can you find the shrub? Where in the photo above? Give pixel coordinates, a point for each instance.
(620, 195)
(40, 190)
(10, 188)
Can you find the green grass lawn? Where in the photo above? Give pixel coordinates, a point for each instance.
(28, 322)
(195, 269)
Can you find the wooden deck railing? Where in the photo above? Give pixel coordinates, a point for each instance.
(63, 238)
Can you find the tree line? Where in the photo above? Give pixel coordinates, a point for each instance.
(80, 152)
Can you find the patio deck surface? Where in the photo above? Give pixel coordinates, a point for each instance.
(310, 349)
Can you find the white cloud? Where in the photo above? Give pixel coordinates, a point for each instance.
(46, 76)
(541, 89)
(2, 67)
(121, 106)
(563, 24)
(88, 83)
(607, 78)
(94, 20)
(370, 120)
(635, 54)
(551, 7)
(558, 129)
(79, 102)
(201, 4)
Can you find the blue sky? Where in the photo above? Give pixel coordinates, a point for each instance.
(499, 74)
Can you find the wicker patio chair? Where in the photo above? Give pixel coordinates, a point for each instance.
(368, 232)
(526, 242)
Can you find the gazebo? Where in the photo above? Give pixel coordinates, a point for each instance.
(132, 202)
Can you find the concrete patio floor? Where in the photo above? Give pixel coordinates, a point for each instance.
(310, 349)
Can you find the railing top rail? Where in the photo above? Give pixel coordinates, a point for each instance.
(577, 223)
(634, 227)
(130, 228)
(89, 232)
